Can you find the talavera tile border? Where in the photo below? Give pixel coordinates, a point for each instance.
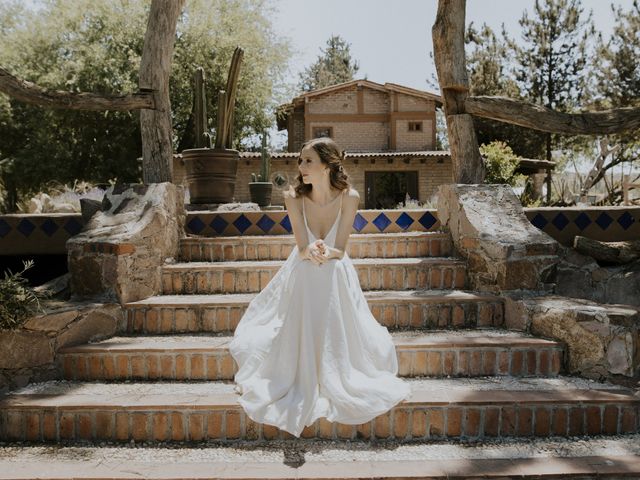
(33, 234)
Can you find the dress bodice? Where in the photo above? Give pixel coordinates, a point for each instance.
(330, 237)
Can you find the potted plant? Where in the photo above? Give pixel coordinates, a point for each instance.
(260, 186)
(211, 172)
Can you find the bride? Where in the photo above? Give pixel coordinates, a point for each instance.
(308, 346)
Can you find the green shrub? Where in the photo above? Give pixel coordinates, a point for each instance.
(17, 299)
(501, 163)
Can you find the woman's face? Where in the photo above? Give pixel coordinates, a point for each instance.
(310, 166)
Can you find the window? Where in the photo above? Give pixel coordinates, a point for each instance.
(415, 126)
(322, 132)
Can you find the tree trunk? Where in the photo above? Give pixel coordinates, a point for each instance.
(610, 252)
(155, 67)
(448, 44)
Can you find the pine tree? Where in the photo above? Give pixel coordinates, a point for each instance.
(335, 65)
(489, 63)
(553, 56)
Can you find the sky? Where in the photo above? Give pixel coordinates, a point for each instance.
(391, 39)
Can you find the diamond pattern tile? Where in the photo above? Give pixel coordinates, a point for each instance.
(359, 222)
(539, 221)
(582, 221)
(560, 221)
(242, 223)
(219, 224)
(265, 223)
(49, 227)
(604, 221)
(196, 225)
(5, 228)
(427, 220)
(381, 222)
(286, 224)
(626, 220)
(72, 226)
(25, 227)
(404, 221)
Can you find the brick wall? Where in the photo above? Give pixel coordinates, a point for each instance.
(431, 174)
(407, 141)
(407, 103)
(359, 136)
(375, 102)
(342, 101)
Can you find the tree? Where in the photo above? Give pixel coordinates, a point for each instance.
(97, 47)
(617, 85)
(335, 65)
(490, 66)
(553, 55)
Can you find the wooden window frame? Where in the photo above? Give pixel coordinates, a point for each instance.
(412, 126)
(313, 131)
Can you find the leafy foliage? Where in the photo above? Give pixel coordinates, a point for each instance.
(95, 46)
(501, 163)
(17, 299)
(335, 65)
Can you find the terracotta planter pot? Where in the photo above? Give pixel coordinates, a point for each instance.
(210, 174)
(261, 193)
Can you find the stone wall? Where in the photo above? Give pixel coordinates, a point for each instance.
(602, 340)
(29, 352)
(503, 249)
(119, 253)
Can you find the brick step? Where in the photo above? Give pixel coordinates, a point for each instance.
(459, 354)
(168, 314)
(310, 459)
(278, 247)
(471, 409)
(373, 273)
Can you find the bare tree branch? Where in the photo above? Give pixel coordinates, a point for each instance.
(31, 93)
(544, 119)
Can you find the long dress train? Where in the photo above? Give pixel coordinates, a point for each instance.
(308, 346)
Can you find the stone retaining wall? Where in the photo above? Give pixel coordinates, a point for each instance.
(29, 352)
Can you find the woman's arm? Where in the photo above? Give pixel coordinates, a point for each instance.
(349, 210)
(294, 211)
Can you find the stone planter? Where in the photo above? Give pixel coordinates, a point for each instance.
(261, 193)
(211, 174)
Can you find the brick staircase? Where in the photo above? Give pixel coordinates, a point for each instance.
(168, 376)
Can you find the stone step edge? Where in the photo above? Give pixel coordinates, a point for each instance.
(381, 262)
(229, 401)
(168, 343)
(442, 469)
(278, 238)
(373, 296)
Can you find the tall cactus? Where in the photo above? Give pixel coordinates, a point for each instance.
(203, 139)
(265, 168)
(227, 102)
(226, 105)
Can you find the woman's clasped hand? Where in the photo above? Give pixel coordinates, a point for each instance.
(316, 252)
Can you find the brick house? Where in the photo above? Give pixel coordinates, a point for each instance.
(388, 132)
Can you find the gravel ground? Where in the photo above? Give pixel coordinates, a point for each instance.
(327, 451)
(59, 387)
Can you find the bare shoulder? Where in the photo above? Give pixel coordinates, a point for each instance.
(353, 195)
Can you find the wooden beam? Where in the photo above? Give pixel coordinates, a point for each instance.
(33, 94)
(544, 119)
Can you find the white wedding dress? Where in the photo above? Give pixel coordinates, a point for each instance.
(309, 347)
